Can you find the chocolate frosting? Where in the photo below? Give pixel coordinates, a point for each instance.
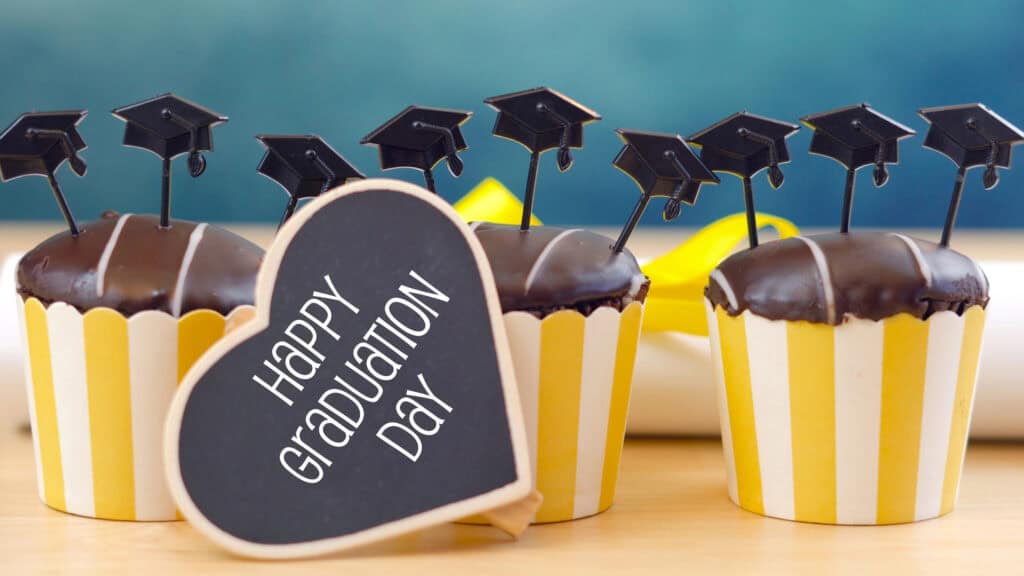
(547, 268)
(128, 263)
(827, 277)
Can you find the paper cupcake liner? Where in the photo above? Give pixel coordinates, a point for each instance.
(574, 374)
(862, 423)
(99, 385)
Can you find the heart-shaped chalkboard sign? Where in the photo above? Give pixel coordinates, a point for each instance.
(372, 394)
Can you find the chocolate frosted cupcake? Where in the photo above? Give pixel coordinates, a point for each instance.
(114, 317)
(115, 312)
(573, 302)
(572, 311)
(846, 365)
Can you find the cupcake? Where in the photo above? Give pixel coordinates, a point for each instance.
(113, 318)
(846, 366)
(846, 363)
(115, 312)
(572, 311)
(573, 302)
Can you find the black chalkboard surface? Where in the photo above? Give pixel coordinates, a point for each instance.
(372, 394)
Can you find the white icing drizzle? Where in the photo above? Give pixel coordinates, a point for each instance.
(719, 279)
(538, 263)
(635, 283)
(108, 251)
(981, 274)
(186, 262)
(826, 278)
(915, 251)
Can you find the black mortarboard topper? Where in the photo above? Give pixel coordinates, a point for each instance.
(662, 165)
(169, 126)
(857, 136)
(305, 166)
(541, 119)
(970, 135)
(420, 137)
(742, 145)
(37, 143)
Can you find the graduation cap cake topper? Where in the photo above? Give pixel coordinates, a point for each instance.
(419, 138)
(743, 144)
(541, 119)
(36, 144)
(857, 136)
(304, 165)
(169, 126)
(664, 166)
(970, 135)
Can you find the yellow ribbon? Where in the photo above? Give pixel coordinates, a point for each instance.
(676, 299)
(490, 201)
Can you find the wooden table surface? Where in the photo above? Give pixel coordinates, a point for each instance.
(671, 515)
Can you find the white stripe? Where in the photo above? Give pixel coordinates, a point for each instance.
(981, 274)
(523, 330)
(186, 261)
(153, 369)
(970, 416)
(945, 340)
(769, 387)
(108, 250)
(858, 381)
(915, 251)
(30, 392)
(826, 277)
(719, 279)
(474, 225)
(70, 389)
(538, 264)
(723, 404)
(600, 343)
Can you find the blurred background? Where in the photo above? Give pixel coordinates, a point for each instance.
(339, 69)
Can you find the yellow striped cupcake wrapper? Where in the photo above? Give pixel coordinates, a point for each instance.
(862, 423)
(99, 385)
(574, 375)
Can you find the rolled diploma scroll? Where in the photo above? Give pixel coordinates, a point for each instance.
(13, 402)
(673, 393)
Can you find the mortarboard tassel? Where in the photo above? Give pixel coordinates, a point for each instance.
(329, 177)
(674, 205)
(564, 154)
(775, 175)
(196, 161)
(881, 173)
(451, 153)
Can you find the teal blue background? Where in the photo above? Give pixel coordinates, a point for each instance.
(339, 69)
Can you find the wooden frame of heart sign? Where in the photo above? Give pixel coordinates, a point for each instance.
(257, 492)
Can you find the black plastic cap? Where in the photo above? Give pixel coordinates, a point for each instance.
(37, 143)
(304, 165)
(168, 125)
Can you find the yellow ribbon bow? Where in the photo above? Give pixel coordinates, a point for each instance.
(490, 201)
(675, 302)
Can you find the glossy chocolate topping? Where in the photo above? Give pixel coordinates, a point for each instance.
(546, 268)
(828, 277)
(128, 263)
